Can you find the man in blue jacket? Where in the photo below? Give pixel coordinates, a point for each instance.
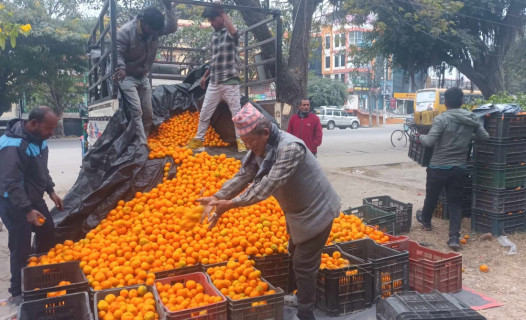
(450, 136)
(24, 177)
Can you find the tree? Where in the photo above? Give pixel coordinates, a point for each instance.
(9, 29)
(515, 67)
(471, 35)
(326, 92)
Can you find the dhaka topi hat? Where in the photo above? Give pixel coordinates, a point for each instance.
(246, 119)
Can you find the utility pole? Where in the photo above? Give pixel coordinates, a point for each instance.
(386, 74)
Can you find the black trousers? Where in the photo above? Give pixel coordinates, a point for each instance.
(19, 241)
(306, 260)
(453, 180)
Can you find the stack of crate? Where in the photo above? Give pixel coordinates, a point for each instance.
(441, 210)
(499, 176)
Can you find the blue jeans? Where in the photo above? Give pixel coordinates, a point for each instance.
(19, 241)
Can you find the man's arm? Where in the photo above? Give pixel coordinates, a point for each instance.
(286, 164)
(480, 134)
(318, 133)
(238, 183)
(434, 134)
(123, 44)
(14, 179)
(170, 24)
(232, 31)
(289, 126)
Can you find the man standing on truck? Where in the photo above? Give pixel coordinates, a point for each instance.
(450, 137)
(280, 165)
(24, 177)
(223, 72)
(137, 42)
(306, 126)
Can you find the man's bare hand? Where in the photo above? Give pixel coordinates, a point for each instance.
(119, 75)
(221, 206)
(57, 200)
(202, 82)
(205, 202)
(36, 218)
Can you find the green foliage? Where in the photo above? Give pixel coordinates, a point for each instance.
(323, 92)
(503, 97)
(9, 28)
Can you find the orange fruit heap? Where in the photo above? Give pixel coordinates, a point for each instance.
(333, 262)
(128, 305)
(177, 132)
(182, 296)
(59, 293)
(350, 227)
(239, 279)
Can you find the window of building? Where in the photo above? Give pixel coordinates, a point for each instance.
(339, 40)
(327, 62)
(356, 38)
(342, 78)
(336, 61)
(342, 60)
(327, 42)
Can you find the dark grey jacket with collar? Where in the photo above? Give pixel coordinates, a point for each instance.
(136, 54)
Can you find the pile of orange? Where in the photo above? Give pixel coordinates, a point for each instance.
(177, 132)
(333, 262)
(187, 295)
(61, 292)
(239, 279)
(158, 230)
(128, 305)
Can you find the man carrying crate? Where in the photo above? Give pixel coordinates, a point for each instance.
(450, 137)
(280, 165)
(24, 177)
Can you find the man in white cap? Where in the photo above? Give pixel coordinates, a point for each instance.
(280, 165)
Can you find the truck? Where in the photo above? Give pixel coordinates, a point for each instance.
(174, 65)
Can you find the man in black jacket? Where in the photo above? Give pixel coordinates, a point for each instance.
(24, 177)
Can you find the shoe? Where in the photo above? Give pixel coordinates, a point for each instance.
(291, 300)
(425, 226)
(14, 301)
(454, 243)
(241, 147)
(196, 145)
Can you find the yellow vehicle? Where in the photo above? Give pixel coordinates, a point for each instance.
(429, 103)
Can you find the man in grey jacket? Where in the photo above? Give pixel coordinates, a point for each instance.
(450, 136)
(137, 42)
(280, 165)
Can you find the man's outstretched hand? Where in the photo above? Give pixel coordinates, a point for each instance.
(221, 206)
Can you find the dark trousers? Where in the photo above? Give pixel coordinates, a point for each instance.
(306, 260)
(453, 180)
(19, 241)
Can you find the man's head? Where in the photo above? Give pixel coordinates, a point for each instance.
(454, 98)
(305, 105)
(253, 128)
(214, 17)
(152, 21)
(42, 122)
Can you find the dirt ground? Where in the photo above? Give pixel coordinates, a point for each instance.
(406, 182)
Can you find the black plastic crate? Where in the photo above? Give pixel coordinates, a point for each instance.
(390, 267)
(382, 220)
(38, 281)
(264, 307)
(500, 152)
(499, 176)
(403, 211)
(275, 269)
(441, 209)
(345, 290)
(499, 201)
(71, 306)
(419, 153)
(434, 305)
(505, 125)
(497, 224)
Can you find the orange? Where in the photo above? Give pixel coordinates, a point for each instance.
(484, 268)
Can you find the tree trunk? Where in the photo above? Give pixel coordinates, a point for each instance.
(489, 78)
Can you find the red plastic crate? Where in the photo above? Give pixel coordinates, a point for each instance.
(178, 271)
(430, 269)
(395, 241)
(214, 311)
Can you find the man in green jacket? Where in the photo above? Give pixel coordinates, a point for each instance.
(450, 136)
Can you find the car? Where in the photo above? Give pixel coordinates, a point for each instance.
(332, 117)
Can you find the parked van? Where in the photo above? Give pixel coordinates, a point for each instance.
(332, 117)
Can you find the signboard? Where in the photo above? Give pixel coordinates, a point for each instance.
(404, 95)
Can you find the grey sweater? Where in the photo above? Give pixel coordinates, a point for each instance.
(450, 135)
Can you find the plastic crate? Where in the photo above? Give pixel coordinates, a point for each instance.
(382, 220)
(499, 201)
(441, 209)
(404, 211)
(505, 125)
(245, 310)
(395, 241)
(430, 269)
(499, 176)
(339, 292)
(500, 152)
(177, 272)
(214, 311)
(419, 153)
(71, 306)
(100, 295)
(390, 267)
(497, 224)
(434, 305)
(275, 269)
(47, 277)
(425, 117)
